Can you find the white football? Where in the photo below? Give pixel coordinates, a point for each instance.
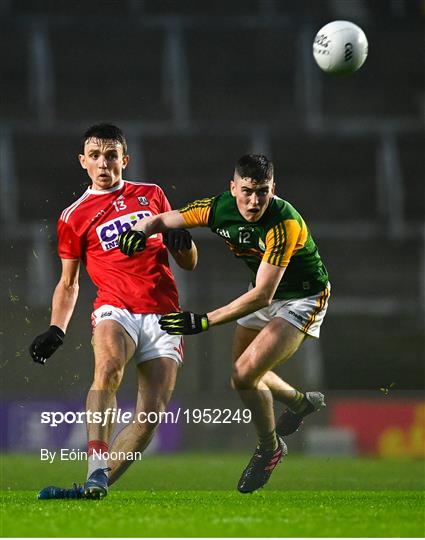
(340, 48)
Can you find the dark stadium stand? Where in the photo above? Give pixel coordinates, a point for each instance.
(411, 148)
(49, 175)
(373, 269)
(377, 352)
(321, 11)
(15, 75)
(196, 84)
(132, 90)
(327, 175)
(201, 7)
(235, 77)
(387, 86)
(64, 7)
(395, 10)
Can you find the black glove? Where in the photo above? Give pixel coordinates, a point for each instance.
(177, 239)
(132, 241)
(46, 344)
(184, 322)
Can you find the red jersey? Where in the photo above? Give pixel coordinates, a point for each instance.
(89, 229)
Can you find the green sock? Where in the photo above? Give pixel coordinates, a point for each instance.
(268, 441)
(298, 403)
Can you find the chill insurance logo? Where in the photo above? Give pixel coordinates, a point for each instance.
(110, 231)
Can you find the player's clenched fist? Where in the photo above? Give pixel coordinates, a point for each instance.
(177, 239)
(132, 241)
(184, 322)
(46, 344)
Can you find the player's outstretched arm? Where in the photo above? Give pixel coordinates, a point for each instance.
(186, 322)
(266, 283)
(161, 222)
(63, 303)
(135, 239)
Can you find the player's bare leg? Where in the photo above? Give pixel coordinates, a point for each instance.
(298, 404)
(276, 342)
(113, 348)
(280, 389)
(157, 379)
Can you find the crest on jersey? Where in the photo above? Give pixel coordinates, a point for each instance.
(143, 201)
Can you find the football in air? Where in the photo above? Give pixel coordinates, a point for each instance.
(340, 48)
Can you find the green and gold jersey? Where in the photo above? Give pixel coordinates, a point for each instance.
(280, 238)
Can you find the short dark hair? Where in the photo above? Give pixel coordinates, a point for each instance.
(255, 166)
(105, 131)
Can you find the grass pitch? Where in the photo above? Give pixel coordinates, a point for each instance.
(194, 495)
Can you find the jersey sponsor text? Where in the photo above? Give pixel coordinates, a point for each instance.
(110, 231)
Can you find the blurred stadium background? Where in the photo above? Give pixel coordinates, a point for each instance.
(194, 85)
